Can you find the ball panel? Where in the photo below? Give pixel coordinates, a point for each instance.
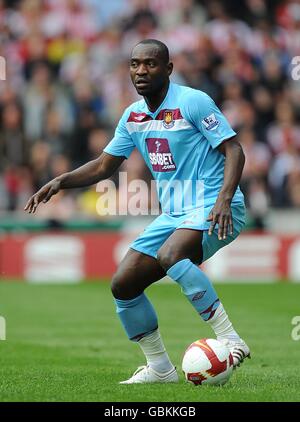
(219, 379)
(221, 352)
(196, 378)
(193, 357)
(207, 361)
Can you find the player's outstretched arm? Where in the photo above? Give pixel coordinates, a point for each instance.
(90, 173)
(234, 164)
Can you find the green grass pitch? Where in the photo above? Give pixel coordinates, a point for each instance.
(65, 343)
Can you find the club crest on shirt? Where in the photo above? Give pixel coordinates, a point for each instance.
(210, 122)
(168, 121)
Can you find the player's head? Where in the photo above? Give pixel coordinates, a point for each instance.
(150, 67)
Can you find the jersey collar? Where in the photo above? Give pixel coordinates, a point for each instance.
(155, 113)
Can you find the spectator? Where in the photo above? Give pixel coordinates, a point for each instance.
(13, 146)
(67, 74)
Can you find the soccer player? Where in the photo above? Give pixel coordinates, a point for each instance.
(186, 140)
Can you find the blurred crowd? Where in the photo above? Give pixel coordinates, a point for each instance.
(67, 84)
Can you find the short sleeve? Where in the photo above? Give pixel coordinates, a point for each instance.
(122, 144)
(200, 109)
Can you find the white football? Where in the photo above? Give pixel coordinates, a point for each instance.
(207, 361)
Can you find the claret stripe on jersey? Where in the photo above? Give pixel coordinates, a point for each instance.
(138, 117)
(143, 117)
(142, 122)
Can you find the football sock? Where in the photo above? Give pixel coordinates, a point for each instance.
(222, 326)
(137, 316)
(196, 286)
(155, 352)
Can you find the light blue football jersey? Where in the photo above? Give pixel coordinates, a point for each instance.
(179, 145)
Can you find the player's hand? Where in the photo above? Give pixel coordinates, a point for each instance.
(221, 215)
(43, 195)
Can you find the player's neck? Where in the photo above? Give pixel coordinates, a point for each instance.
(154, 102)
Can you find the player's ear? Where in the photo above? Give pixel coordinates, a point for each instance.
(170, 68)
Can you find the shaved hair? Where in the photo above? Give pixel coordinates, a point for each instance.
(162, 48)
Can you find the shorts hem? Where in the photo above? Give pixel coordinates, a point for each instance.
(144, 251)
(199, 228)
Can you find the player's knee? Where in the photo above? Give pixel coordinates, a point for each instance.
(167, 257)
(125, 287)
(118, 286)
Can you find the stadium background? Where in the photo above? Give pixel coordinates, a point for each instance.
(67, 83)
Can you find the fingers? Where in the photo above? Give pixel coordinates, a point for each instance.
(222, 229)
(48, 196)
(230, 225)
(225, 225)
(28, 204)
(43, 195)
(33, 203)
(210, 217)
(214, 220)
(225, 228)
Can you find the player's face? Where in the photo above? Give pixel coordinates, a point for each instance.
(149, 72)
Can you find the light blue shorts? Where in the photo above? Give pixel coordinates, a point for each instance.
(155, 235)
